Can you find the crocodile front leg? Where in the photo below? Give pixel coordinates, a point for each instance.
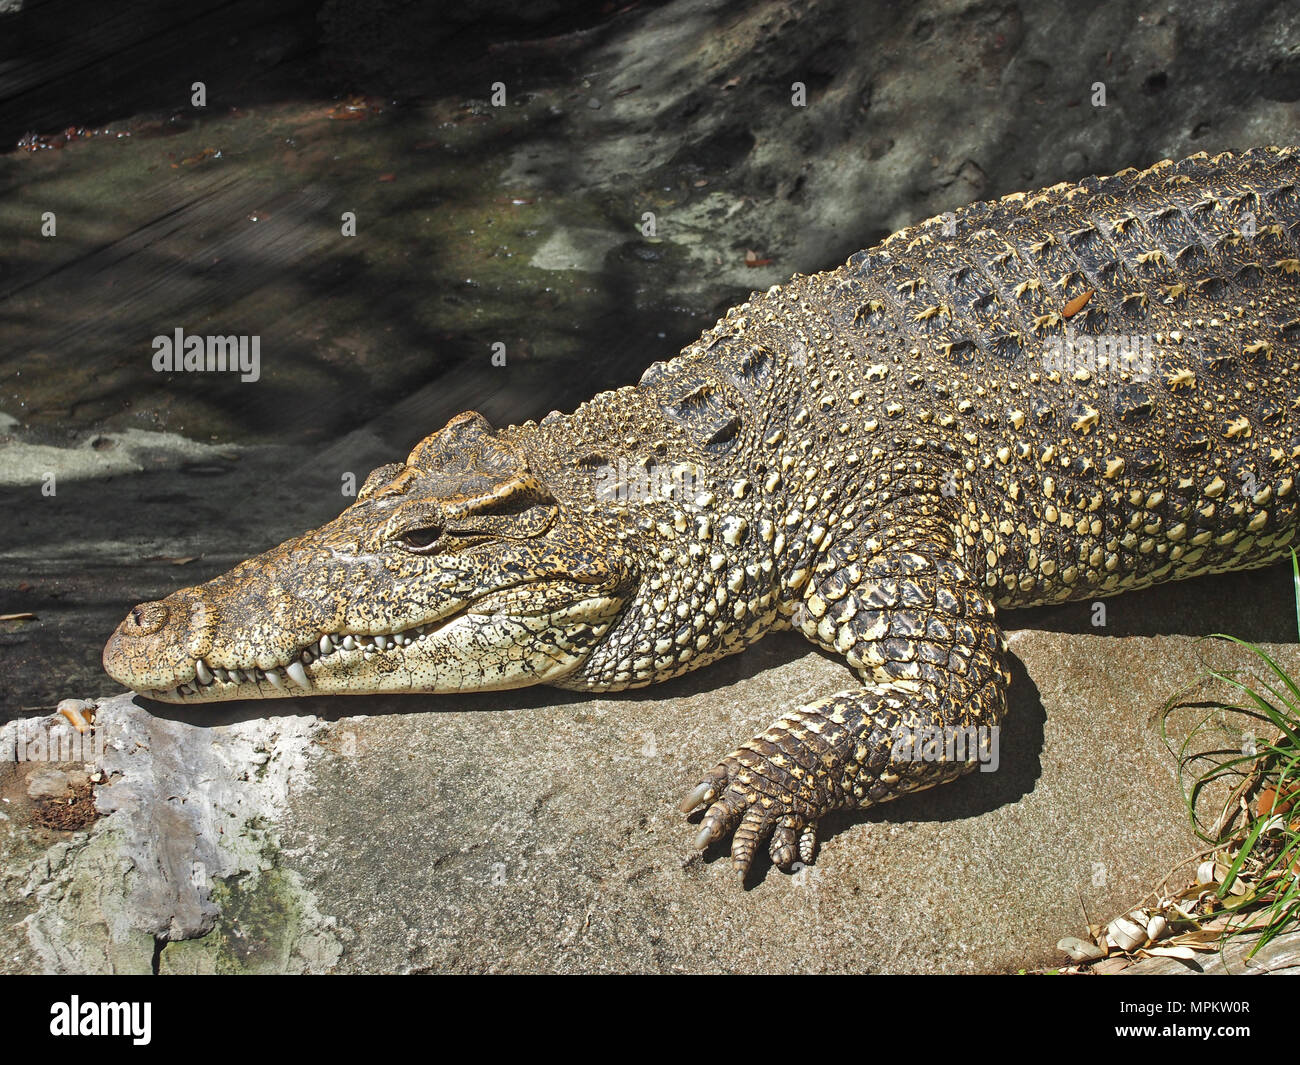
(923, 636)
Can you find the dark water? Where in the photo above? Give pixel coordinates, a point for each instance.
(365, 223)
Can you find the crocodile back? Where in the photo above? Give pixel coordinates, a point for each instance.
(1097, 378)
(1114, 361)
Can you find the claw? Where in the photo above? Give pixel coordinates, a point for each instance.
(702, 794)
(720, 819)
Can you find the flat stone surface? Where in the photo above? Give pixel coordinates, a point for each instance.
(535, 831)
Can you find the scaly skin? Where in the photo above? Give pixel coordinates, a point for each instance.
(881, 456)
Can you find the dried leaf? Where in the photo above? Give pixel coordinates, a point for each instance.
(1269, 803)
(1077, 304)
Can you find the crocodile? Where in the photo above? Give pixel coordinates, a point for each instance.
(1058, 395)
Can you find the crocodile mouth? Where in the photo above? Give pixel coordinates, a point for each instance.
(296, 675)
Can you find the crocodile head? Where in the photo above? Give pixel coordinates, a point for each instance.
(456, 571)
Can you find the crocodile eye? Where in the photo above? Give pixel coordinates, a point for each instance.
(423, 538)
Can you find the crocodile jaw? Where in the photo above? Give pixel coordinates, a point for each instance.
(470, 649)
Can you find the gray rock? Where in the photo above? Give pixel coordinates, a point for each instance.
(191, 814)
(535, 831)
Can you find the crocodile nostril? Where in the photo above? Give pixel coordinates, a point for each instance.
(145, 619)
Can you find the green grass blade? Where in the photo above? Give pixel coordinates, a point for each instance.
(1242, 855)
(1295, 580)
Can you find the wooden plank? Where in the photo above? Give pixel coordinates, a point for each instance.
(1279, 957)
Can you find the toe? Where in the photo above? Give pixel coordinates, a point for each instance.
(703, 793)
(808, 843)
(706, 790)
(784, 847)
(753, 827)
(720, 819)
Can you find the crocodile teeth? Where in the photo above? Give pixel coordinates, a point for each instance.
(295, 671)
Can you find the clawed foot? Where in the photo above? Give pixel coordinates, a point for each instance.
(742, 797)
